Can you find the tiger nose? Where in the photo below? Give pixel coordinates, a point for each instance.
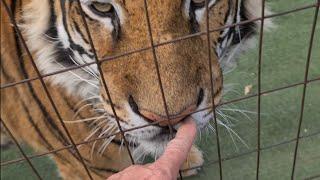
(163, 121)
(152, 117)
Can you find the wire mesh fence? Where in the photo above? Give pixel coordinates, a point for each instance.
(73, 145)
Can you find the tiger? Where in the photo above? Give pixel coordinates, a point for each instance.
(62, 34)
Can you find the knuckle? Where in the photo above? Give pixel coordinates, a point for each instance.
(162, 173)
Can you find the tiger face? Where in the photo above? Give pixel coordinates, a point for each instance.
(60, 40)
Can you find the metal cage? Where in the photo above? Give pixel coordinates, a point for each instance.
(315, 5)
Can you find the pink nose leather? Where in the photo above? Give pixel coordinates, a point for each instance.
(173, 120)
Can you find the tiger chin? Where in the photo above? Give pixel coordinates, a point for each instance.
(58, 39)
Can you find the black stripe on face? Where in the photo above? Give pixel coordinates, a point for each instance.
(193, 20)
(36, 128)
(76, 28)
(233, 31)
(229, 11)
(5, 75)
(52, 127)
(48, 120)
(71, 106)
(55, 130)
(246, 30)
(52, 30)
(105, 170)
(25, 75)
(115, 21)
(221, 38)
(42, 137)
(192, 14)
(73, 45)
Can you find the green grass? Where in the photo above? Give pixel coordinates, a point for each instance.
(284, 58)
(22, 170)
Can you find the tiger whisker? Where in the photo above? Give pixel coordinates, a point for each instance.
(102, 133)
(84, 120)
(79, 77)
(94, 144)
(87, 69)
(101, 122)
(200, 136)
(230, 131)
(231, 136)
(92, 133)
(211, 128)
(50, 39)
(233, 132)
(108, 140)
(80, 109)
(92, 149)
(225, 118)
(121, 144)
(239, 110)
(243, 112)
(100, 110)
(228, 116)
(98, 127)
(110, 128)
(85, 100)
(105, 144)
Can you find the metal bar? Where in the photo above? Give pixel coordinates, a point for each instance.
(313, 177)
(164, 43)
(180, 174)
(268, 91)
(305, 88)
(157, 122)
(17, 30)
(259, 89)
(209, 163)
(25, 157)
(7, 85)
(212, 87)
(232, 157)
(156, 63)
(14, 161)
(155, 59)
(103, 80)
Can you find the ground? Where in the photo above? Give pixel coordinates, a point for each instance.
(284, 57)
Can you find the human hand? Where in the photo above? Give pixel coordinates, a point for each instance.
(168, 165)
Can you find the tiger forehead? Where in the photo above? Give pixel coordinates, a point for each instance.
(165, 16)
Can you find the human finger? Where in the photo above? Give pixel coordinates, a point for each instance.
(178, 148)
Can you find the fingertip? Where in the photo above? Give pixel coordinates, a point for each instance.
(187, 128)
(178, 148)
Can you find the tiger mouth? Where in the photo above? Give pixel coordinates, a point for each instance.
(164, 135)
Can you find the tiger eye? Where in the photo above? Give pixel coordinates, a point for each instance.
(198, 1)
(102, 7)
